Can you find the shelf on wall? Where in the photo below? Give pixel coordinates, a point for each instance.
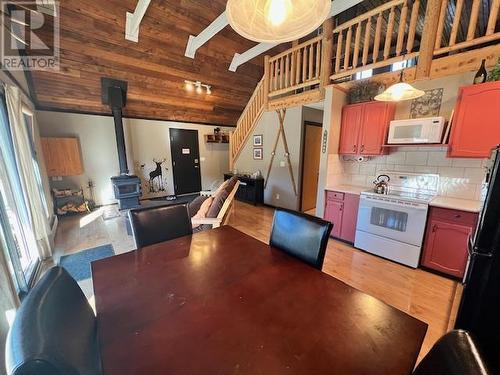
(217, 138)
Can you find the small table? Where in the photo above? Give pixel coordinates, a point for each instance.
(221, 302)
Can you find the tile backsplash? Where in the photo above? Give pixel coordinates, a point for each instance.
(459, 177)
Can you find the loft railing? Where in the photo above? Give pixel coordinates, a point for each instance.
(378, 38)
(453, 12)
(247, 121)
(295, 69)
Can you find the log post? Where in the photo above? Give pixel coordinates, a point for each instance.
(327, 54)
(428, 38)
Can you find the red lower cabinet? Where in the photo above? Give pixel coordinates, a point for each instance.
(445, 246)
(341, 209)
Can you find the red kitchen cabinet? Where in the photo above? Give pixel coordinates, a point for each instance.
(475, 130)
(364, 128)
(445, 246)
(333, 213)
(342, 211)
(350, 127)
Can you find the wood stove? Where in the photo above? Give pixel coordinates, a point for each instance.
(127, 188)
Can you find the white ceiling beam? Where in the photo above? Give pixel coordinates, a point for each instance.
(196, 42)
(338, 6)
(133, 20)
(240, 59)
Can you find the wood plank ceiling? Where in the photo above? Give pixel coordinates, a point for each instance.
(93, 46)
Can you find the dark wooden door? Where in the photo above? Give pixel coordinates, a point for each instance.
(185, 161)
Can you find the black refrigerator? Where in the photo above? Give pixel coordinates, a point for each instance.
(479, 310)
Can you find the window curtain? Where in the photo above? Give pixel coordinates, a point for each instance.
(27, 173)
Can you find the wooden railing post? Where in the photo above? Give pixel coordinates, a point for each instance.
(327, 54)
(429, 36)
(267, 80)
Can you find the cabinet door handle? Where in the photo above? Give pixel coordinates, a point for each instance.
(362, 148)
(354, 148)
(434, 228)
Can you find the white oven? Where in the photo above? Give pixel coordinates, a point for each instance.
(419, 130)
(392, 228)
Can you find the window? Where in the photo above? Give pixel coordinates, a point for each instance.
(29, 123)
(364, 74)
(401, 65)
(15, 225)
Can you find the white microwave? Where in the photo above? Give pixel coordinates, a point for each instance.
(419, 130)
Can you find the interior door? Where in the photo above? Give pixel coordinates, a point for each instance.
(185, 161)
(310, 169)
(349, 133)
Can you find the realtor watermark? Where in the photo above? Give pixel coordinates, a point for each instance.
(30, 38)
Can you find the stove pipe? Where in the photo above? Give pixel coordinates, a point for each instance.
(114, 93)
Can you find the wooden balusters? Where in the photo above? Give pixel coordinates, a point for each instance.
(339, 52)
(471, 32)
(492, 20)
(378, 33)
(347, 53)
(357, 41)
(388, 34)
(413, 26)
(456, 22)
(442, 15)
(402, 29)
(366, 43)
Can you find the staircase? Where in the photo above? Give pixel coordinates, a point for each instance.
(247, 122)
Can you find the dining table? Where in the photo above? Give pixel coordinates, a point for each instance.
(222, 302)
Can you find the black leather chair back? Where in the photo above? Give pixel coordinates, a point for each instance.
(456, 353)
(153, 225)
(54, 331)
(303, 236)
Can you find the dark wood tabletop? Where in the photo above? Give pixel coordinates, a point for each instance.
(221, 302)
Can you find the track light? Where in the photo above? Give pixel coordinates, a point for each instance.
(198, 87)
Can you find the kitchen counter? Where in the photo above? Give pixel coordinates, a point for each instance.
(349, 189)
(467, 205)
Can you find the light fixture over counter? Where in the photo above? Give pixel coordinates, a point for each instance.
(276, 21)
(399, 92)
(198, 87)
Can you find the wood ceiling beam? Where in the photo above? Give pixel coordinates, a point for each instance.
(133, 20)
(338, 6)
(210, 31)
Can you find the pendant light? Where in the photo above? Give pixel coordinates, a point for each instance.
(399, 92)
(276, 21)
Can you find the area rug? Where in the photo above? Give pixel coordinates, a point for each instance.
(78, 264)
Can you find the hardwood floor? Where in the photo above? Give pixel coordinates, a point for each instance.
(424, 295)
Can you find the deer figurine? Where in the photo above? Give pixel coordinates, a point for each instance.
(157, 173)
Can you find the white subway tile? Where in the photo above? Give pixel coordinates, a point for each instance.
(397, 157)
(424, 169)
(358, 180)
(404, 168)
(451, 172)
(417, 158)
(468, 163)
(463, 191)
(367, 169)
(438, 159)
(475, 175)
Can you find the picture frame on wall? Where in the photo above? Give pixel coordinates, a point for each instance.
(257, 140)
(257, 154)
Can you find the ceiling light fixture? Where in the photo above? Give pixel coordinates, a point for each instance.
(276, 21)
(399, 92)
(198, 87)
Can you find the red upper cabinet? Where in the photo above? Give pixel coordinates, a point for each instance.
(350, 127)
(475, 130)
(364, 128)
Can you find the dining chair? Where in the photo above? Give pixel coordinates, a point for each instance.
(302, 236)
(456, 353)
(54, 331)
(151, 225)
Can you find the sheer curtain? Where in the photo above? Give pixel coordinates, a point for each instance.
(27, 172)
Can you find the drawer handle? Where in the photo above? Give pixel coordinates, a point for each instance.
(458, 216)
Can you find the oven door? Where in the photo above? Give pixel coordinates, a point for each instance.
(391, 218)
